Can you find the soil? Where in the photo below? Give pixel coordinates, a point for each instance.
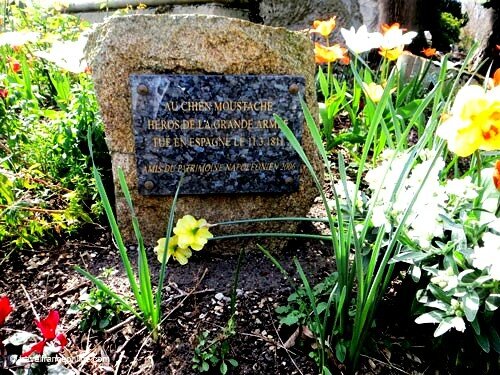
(197, 299)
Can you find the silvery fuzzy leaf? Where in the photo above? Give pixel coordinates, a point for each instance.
(492, 302)
(59, 369)
(443, 327)
(471, 305)
(19, 338)
(438, 305)
(430, 317)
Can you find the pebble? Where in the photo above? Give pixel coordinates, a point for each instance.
(219, 296)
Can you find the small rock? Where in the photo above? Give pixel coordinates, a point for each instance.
(219, 296)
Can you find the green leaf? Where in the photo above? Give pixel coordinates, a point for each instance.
(492, 302)
(282, 309)
(340, 351)
(233, 362)
(476, 327)
(471, 305)
(495, 339)
(408, 110)
(483, 342)
(322, 307)
(323, 83)
(289, 320)
(205, 366)
(223, 368)
(411, 257)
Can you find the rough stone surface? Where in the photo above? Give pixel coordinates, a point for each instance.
(370, 12)
(478, 28)
(300, 14)
(165, 44)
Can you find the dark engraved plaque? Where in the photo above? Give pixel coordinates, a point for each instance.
(216, 130)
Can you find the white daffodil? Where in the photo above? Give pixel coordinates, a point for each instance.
(66, 55)
(18, 38)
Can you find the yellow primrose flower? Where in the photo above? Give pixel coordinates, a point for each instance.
(323, 27)
(474, 122)
(373, 91)
(180, 254)
(192, 233)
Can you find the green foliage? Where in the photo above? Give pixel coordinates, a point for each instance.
(99, 309)
(342, 314)
(148, 303)
(44, 118)
(444, 22)
(214, 353)
(450, 27)
(297, 311)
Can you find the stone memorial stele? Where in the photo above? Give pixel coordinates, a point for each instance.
(195, 96)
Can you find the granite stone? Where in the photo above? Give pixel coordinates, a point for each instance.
(217, 131)
(126, 46)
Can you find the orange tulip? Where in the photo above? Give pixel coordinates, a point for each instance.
(324, 28)
(496, 77)
(429, 52)
(496, 175)
(331, 54)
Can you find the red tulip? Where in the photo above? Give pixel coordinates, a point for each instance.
(48, 328)
(14, 65)
(4, 93)
(5, 309)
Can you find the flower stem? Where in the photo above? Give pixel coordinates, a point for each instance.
(266, 219)
(273, 234)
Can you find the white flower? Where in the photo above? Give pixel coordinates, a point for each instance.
(487, 257)
(424, 219)
(344, 195)
(393, 37)
(458, 323)
(18, 38)
(66, 55)
(445, 279)
(361, 40)
(462, 188)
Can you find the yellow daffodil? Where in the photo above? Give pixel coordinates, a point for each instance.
(391, 54)
(324, 28)
(373, 91)
(180, 254)
(192, 233)
(331, 54)
(474, 121)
